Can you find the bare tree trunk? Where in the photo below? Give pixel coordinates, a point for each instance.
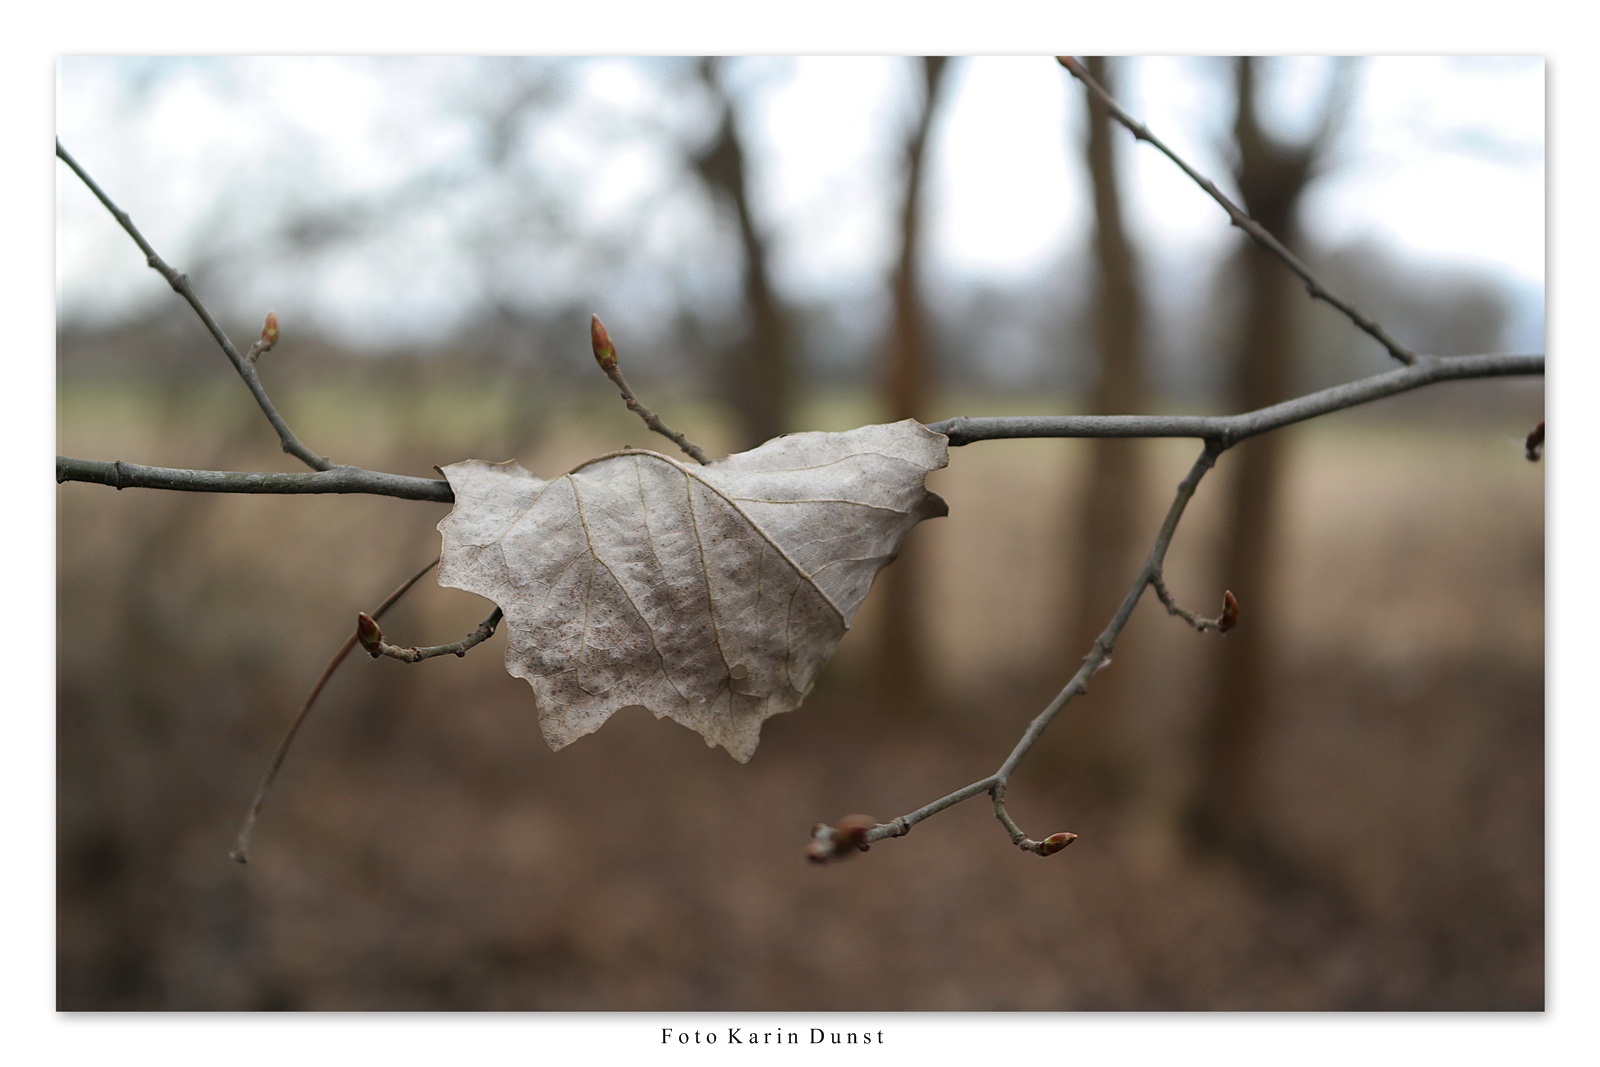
(910, 376)
(908, 383)
(1272, 177)
(1107, 511)
(758, 374)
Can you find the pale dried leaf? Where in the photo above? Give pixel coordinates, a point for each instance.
(711, 595)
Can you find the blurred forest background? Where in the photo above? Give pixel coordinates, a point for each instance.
(1339, 806)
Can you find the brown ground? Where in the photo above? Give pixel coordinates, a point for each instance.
(425, 850)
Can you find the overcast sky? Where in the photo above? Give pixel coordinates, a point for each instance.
(1441, 159)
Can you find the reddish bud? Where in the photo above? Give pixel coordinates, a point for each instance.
(368, 633)
(831, 842)
(1230, 612)
(852, 830)
(269, 332)
(1055, 843)
(605, 353)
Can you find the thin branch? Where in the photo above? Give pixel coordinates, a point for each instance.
(1234, 428)
(1237, 215)
(241, 844)
(1099, 656)
(605, 354)
(180, 285)
(832, 841)
(962, 430)
(371, 639)
(1219, 434)
(120, 475)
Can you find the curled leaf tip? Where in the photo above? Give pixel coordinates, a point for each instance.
(1230, 612)
(605, 353)
(369, 634)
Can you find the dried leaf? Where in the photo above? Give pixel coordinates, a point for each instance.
(711, 595)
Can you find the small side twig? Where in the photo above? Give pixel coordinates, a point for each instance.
(180, 285)
(1048, 847)
(605, 354)
(370, 635)
(1241, 219)
(1221, 624)
(241, 844)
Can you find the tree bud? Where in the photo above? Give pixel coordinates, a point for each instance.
(368, 633)
(1055, 843)
(605, 353)
(1230, 612)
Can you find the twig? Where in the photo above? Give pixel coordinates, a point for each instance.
(1232, 429)
(1221, 624)
(371, 638)
(1237, 215)
(120, 475)
(605, 354)
(995, 785)
(961, 430)
(1048, 847)
(180, 285)
(241, 845)
(1219, 434)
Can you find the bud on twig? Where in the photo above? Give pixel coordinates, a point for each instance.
(605, 353)
(1055, 843)
(368, 633)
(831, 842)
(1230, 612)
(268, 338)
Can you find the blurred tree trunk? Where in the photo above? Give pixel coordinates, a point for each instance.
(910, 371)
(909, 381)
(1107, 510)
(758, 378)
(1272, 176)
